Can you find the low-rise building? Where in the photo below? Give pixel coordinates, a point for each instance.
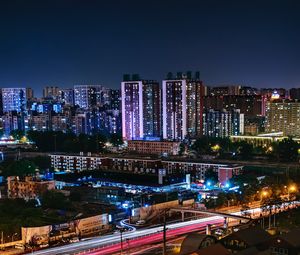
(288, 243)
(154, 147)
(147, 166)
(27, 188)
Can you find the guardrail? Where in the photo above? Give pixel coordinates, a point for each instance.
(11, 244)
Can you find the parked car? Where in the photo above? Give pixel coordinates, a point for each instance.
(44, 245)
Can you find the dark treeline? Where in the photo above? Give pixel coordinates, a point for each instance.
(286, 150)
(69, 142)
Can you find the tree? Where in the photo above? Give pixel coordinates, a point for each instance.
(181, 149)
(202, 145)
(42, 162)
(54, 200)
(75, 196)
(245, 150)
(20, 168)
(286, 150)
(248, 186)
(221, 199)
(116, 139)
(211, 176)
(17, 134)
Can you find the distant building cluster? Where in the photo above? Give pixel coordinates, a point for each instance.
(86, 109)
(179, 108)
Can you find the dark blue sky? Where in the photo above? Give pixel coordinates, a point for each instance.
(73, 42)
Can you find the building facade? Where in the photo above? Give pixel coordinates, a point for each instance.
(27, 188)
(64, 162)
(250, 105)
(14, 99)
(51, 91)
(295, 93)
(140, 109)
(88, 96)
(283, 116)
(66, 96)
(182, 107)
(223, 123)
(154, 147)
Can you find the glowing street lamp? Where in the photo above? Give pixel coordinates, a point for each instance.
(216, 148)
(291, 189)
(264, 193)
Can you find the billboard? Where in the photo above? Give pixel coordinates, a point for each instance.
(92, 225)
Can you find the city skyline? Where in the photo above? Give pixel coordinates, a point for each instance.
(96, 43)
(149, 127)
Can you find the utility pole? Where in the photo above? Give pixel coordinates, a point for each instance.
(165, 235)
(121, 229)
(270, 215)
(121, 235)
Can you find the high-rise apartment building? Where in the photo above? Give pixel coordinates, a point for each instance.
(29, 93)
(66, 96)
(250, 105)
(295, 93)
(283, 116)
(223, 123)
(224, 90)
(11, 121)
(51, 91)
(140, 108)
(88, 96)
(115, 99)
(14, 99)
(182, 106)
(39, 122)
(60, 123)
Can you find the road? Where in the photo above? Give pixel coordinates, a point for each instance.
(157, 237)
(111, 243)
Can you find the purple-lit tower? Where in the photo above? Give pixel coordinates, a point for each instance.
(140, 108)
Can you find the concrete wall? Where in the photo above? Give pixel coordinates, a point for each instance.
(82, 227)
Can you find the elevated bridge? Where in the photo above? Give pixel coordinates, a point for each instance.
(226, 216)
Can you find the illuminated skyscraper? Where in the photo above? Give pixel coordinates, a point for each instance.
(182, 106)
(14, 99)
(140, 109)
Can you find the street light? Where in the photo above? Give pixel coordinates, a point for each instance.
(290, 189)
(12, 237)
(264, 193)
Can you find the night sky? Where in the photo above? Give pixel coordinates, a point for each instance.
(64, 43)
